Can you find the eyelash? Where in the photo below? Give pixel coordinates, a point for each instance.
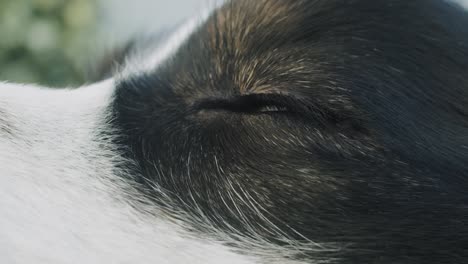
(273, 109)
(252, 104)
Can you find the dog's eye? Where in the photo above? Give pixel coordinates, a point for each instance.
(251, 104)
(273, 109)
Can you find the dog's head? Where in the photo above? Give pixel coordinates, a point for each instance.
(288, 131)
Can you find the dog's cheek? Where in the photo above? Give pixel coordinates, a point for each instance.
(61, 197)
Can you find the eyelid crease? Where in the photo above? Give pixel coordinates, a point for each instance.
(253, 103)
(275, 105)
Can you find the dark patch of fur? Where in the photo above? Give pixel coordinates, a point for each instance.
(374, 156)
(6, 127)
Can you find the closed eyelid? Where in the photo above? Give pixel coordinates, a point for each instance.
(250, 103)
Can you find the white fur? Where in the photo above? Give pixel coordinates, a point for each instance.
(60, 200)
(61, 197)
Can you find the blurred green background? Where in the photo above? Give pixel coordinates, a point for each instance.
(46, 42)
(55, 42)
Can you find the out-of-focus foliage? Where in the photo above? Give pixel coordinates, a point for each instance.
(45, 41)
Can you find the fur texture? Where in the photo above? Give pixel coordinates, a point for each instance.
(269, 131)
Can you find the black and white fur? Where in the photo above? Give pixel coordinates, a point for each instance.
(268, 131)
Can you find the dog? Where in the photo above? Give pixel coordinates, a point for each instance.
(267, 131)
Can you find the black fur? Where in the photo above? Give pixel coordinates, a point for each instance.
(342, 122)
